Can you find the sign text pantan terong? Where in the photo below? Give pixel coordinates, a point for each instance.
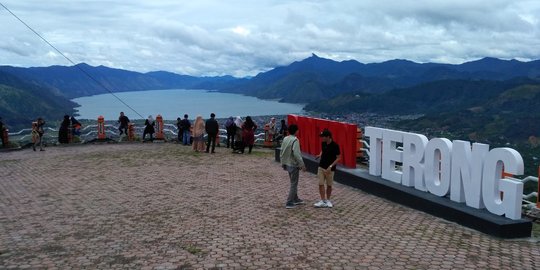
(471, 175)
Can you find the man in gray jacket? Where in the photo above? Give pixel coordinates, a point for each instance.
(292, 162)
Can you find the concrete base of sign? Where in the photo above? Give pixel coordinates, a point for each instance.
(442, 207)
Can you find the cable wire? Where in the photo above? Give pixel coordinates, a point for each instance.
(73, 63)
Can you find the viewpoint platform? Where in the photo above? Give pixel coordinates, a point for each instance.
(162, 206)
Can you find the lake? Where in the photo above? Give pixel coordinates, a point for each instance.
(176, 102)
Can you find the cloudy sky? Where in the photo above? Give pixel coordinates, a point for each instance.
(242, 38)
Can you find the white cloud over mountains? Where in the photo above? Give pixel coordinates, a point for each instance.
(210, 37)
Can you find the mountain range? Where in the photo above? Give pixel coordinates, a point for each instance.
(391, 87)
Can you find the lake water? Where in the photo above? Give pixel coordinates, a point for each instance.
(175, 103)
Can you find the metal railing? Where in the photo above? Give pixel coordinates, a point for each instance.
(89, 133)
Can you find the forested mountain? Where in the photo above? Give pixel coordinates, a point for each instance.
(501, 111)
(316, 78)
(391, 87)
(438, 96)
(22, 102)
(309, 80)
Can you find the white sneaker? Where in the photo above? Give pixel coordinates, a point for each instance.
(320, 204)
(329, 204)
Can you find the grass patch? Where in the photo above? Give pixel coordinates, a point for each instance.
(536, 230)
(8, 161)
(262, 153)
(194, 250)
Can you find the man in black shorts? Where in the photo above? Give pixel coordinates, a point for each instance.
(330, 156)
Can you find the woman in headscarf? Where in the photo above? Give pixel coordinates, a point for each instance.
(230, 126)
(63, 136)
(248, 133)
(198, 134)
(238, 144)
(149, 128)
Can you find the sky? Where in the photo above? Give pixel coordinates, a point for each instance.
(243, 38)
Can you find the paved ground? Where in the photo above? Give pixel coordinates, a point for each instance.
(161, 206)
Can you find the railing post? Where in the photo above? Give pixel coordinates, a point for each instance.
(159, 127)
(5, 137)
(538, 194)
(101, 128)
(131, 132)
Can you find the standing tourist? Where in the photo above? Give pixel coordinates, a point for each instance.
(123, 120)
(63, 136)
(292, 162)
(272, 128)
(76, 126)
(186, 126)
(248, 134)
(231, 131)
(180, 130)
(212, 129)
(198, 134)
(149, 128)
(238, 143)
(282, 131)
(330, 156)
(37, 133)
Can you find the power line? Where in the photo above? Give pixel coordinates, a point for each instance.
(73, 63)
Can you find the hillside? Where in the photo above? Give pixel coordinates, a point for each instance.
(438, 96)
(510, 116)
(22, 102)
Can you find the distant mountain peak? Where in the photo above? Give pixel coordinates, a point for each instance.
(83, 64)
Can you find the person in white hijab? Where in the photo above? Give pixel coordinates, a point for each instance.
(238, 145)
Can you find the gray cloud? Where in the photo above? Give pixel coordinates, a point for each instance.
(240, 38)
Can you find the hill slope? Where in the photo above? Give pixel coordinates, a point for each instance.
(21, 102)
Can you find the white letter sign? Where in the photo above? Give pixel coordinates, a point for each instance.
(471, 175)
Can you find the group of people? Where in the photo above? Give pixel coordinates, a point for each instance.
(149, 126)
(292, 162)
(64, 130)
(240, 134)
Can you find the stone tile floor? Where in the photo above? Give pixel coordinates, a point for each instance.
(162, 206)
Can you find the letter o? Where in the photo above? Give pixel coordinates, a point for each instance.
(437, 158)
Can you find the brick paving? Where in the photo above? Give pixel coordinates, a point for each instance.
(162, 206)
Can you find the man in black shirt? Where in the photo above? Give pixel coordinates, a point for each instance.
(123, 120)
(330, 156)
(186, 126)
(212, 129)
